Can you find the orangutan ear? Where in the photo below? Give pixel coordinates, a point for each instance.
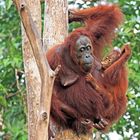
(68, 78)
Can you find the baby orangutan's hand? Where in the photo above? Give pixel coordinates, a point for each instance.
(89, 77)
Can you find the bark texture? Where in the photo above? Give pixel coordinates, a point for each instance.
(33, 81)
(46, 74)
(55, 22)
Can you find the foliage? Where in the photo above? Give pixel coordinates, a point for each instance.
(12, 90)
(12, 86)
(130, 32)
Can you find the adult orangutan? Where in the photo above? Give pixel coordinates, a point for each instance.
(114, 81)
(74, 100)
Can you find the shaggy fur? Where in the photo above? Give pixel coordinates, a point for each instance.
(74, 99)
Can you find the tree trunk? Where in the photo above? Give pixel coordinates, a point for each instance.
(55, 22)
(55, 30)
(33, 81)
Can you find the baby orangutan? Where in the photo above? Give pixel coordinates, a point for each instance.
(112, 82)
(105, 63)
(111, 58)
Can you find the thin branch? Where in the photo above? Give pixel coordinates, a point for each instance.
(17, 80)
(11, 95)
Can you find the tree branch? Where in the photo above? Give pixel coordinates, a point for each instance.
(46, 74)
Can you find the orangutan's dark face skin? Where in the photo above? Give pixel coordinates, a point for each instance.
(84, 50)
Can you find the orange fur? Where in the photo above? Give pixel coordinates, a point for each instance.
(101, 22)
(79, 100)
(114, 83)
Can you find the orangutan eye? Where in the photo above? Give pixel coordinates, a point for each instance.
(88, 47)
(82, 49)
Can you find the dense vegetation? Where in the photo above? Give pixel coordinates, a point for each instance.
(13, 110)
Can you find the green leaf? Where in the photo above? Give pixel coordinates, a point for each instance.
(3, 101)
(8, 4)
